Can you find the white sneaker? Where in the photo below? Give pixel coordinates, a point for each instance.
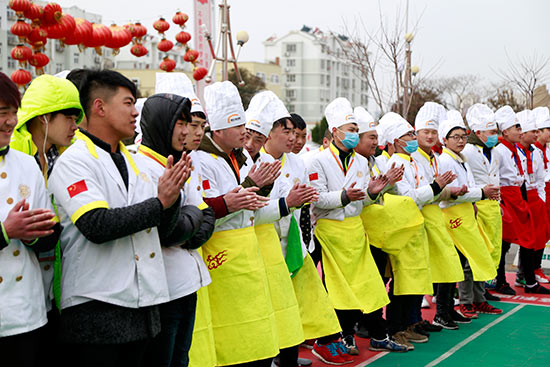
(457, 301)
(541, 279)
(434, 300)
(425, 303)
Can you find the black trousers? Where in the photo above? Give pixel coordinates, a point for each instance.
(538, 258)
(106, 355)
(398, 311)
(288, 357)
(527, 257)
(20, 350)
(445, 298)
(501, 272)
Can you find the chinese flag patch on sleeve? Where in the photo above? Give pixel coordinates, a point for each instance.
(205, 185)
(313, 176)
(77, 188)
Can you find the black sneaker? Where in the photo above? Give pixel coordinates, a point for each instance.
(505, 289)
(537, 288)
(351, 346)
(458, 318)
(431, 328)
(491, 297)
(445, 321)
(419, 329)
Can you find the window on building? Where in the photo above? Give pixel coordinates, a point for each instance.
(291, 107)
(58, 67)
(76, 57)
(353, 84)
(290, 93)
(291, 78)
(328, 80)
(261, 76)
(11, 63)
(337, 81)
(322, 79)
(291, 62)
(291, 47)
(322, 64)
(274, 79)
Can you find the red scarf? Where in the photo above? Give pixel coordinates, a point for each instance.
(514, 151)
(527, 153)
(543, 148)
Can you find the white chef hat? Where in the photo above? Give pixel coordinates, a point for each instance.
(365, 121)
(429, 116)
(63, 74)
(339, 112)
(393, 126)
(264, 109)
(481, 118)
(542, 115)
(527, 121)
(454, 119)
(180, 84)
(225, 108)
(506, 118)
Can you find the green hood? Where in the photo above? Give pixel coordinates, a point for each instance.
(46, 94)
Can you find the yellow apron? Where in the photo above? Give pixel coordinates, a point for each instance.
(391, 225)
(316, 311)
(351, 276)
(470, 239)
(283, 299)
(444, 260)
(242, 315)
(489, 219)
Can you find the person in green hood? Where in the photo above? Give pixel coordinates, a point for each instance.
(47, 121)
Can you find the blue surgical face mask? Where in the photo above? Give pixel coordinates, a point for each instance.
(351, 140)
(492, 140)
(411, 147)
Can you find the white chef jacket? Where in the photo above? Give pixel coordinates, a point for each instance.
(456, 163)
(414, 183)
(22, 297)
(507, 167)
(186, 271)
(485, 172)
(534, 181)
(327, 176)
(128, 271)
(547, 169)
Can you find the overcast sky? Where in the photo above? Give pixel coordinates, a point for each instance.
(464, 36)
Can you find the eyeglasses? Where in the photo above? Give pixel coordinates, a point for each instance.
(412, 134)
(459, 137)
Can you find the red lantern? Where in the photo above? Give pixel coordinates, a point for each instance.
(62, 28)
(191, 55)
(21, 77)
(34, 13)
(183, 37)
(141, 30)
(37, 37)
(161, 25)
(100, 36)
(82, 32)
(199, 73)
(120, 37)
(39, 60)
(19, 6)
(52, 13)
(180, 18)
(138, 50)
(168, 64)
(21, 29)
(21, 53)
(165, 45)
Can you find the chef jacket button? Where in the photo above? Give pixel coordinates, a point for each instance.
(287, 175)
(18, 278)
(47, 267)
(16, 253)
(148, 230)
(9, 201)
(137, 258)
(199, 188)
(1, 279)
(3, 175)
(152, 255)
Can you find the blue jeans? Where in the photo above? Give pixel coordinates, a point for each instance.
(171, 346)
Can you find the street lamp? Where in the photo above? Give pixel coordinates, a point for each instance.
(226, 44)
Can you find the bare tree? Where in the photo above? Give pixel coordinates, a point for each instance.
(525, 74)
(458, 92)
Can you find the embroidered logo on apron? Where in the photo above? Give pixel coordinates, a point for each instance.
(455, 223)
(217, 260)
(24, 191)
(144, 177)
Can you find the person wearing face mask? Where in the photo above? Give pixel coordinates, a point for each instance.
(444, 260)
(533, 169)
(543, 125)
(342, 178)
(460, 218)
(484, 164)
(412, 275)
(47, 121)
